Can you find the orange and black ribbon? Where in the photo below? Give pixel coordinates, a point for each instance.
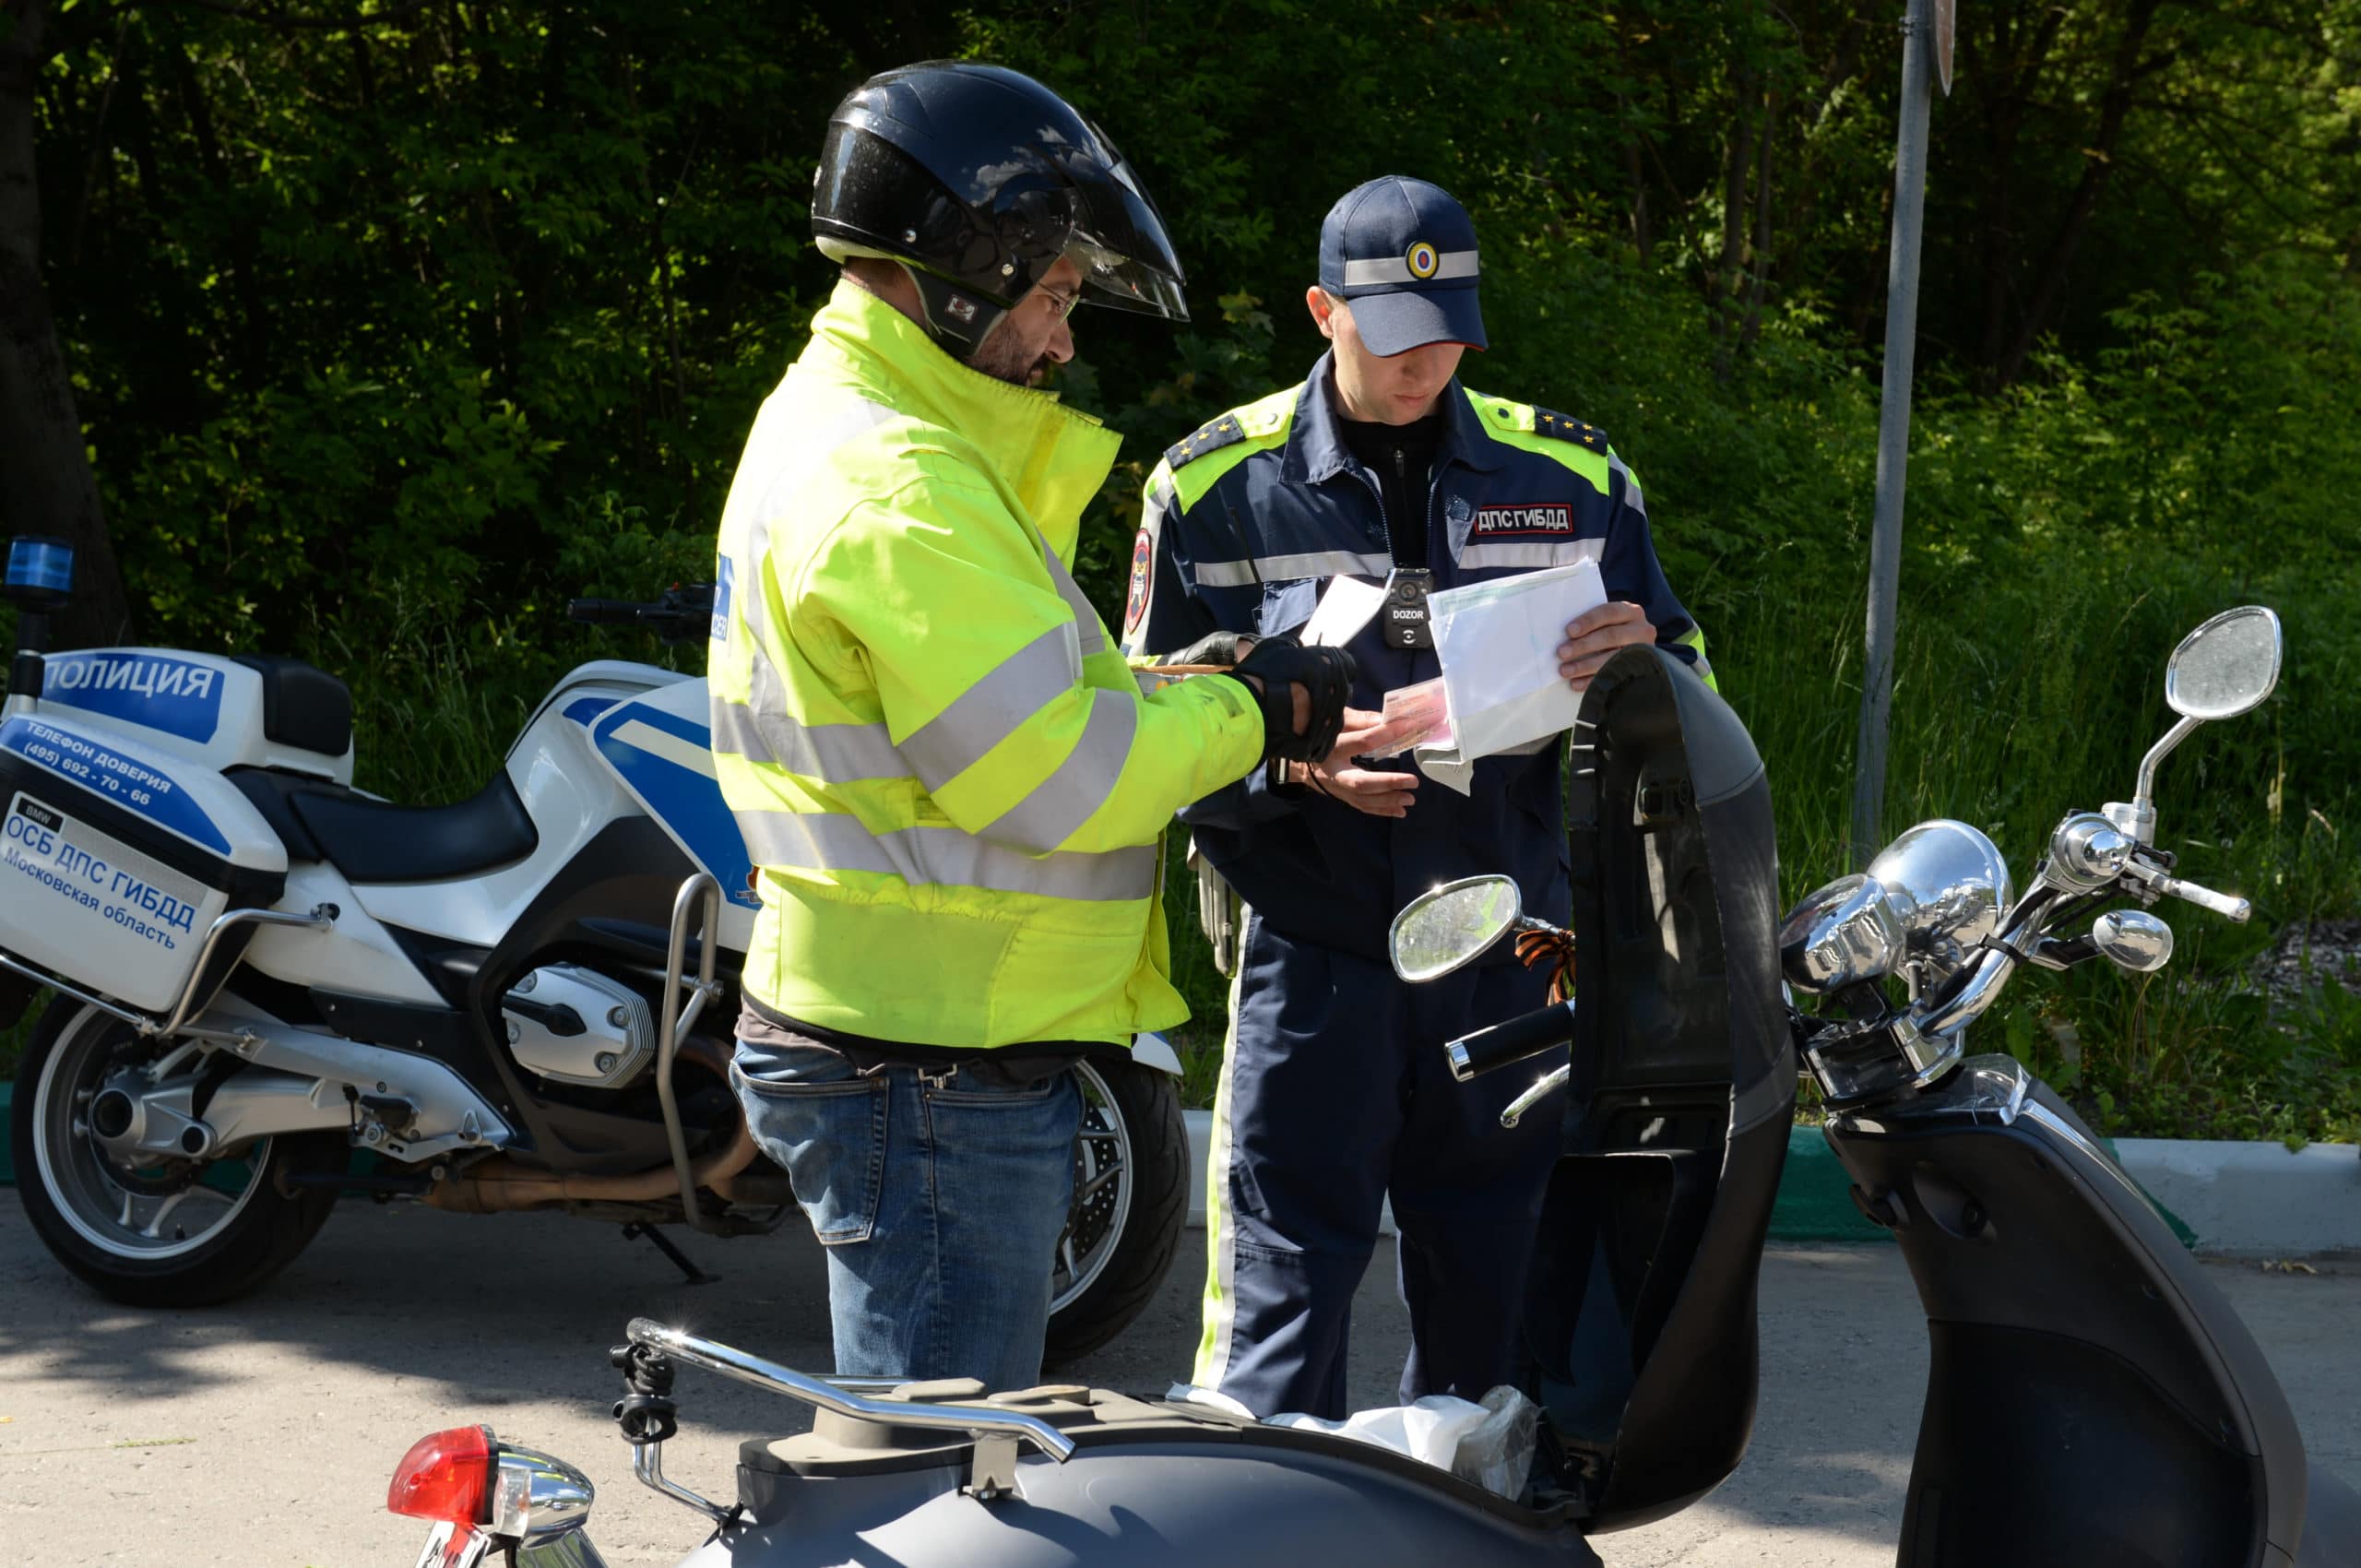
(1555, 948)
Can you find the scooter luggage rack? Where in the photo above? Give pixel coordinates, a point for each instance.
(995, 1433)
(321, 917)
(699, 899)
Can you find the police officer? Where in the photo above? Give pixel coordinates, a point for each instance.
(1335, 1092)
(944, 770)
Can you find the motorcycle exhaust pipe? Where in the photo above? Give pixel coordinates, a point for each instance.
(501, 1185)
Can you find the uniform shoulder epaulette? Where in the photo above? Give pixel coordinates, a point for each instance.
(1223, 432)
(1560, 427)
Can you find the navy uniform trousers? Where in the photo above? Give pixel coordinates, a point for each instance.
(1336, 1095)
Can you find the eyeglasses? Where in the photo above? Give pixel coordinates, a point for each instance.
(1061, 305)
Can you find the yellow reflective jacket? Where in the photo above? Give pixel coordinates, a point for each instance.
(940, 760)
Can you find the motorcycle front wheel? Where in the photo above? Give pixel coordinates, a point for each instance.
(163, 1233)
(1130, 1197)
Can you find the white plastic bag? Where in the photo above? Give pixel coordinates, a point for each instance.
(1489, 1444)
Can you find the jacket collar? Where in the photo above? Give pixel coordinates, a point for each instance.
(1053, 457)
(1316, 449)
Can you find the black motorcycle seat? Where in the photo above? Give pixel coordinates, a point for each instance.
(302, 706)
(371, 840)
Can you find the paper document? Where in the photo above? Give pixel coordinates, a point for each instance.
(1498, 643)
(1344, 609)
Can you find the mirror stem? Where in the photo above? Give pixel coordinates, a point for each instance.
(2143, 822)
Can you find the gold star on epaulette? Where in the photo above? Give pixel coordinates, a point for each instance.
(1207, 438)
(1559, 427)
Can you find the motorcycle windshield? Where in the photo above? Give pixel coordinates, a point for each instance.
(1640, 1308)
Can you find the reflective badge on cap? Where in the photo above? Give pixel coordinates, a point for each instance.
(1423, 261)
(1135, 603)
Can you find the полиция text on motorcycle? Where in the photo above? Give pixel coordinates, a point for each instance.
(942, 766)
(1380, 466)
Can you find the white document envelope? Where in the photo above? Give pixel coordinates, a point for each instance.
(1499, 645)
(1346, 607)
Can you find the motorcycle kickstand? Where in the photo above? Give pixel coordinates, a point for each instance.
(689, 1270)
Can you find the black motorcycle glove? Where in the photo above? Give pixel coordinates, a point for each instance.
(1325, 674)
(1213, 647)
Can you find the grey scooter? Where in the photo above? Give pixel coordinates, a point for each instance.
(2092, 1400)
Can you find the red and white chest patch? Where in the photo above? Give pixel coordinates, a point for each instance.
(1135, 599)
(1539, 520)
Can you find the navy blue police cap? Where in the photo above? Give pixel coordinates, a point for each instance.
(1404, 252)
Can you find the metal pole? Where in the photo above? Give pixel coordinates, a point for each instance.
(1893, 431)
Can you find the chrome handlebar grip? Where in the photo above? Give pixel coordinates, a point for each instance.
(975, 1421)
(2156, 881)
(2223, 903)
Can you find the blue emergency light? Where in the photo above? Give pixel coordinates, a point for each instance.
(40, 572)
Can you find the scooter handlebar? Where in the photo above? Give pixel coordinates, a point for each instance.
(2225, 904)
(1502, 1044)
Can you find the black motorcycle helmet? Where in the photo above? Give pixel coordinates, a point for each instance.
(977, 180)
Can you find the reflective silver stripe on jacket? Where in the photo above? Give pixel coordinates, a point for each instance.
(993, 710)
(1063, 802)
(1279, 568)
(1632, 495)
(831, 753)
(944, 857)
(1526, 555)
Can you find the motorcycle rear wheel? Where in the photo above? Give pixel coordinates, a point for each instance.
(1131, 1198)
(178, 1233)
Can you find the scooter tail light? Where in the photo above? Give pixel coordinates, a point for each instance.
(446, 1477)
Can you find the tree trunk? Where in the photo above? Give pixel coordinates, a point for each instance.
(1728, 280)
(50, 487)
(1759, 263)
(2099, 164)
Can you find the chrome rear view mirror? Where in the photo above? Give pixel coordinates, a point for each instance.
(1452, 925)
(2226, 666)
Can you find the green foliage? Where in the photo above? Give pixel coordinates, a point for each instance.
(387, 340)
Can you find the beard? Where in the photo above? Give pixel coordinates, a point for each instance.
(1003, 358)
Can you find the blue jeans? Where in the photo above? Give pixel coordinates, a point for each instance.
(939, 1199)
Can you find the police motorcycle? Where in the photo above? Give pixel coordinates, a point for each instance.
(520, 1001)
(2091, 1399)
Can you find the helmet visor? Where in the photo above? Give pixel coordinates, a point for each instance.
(1118, 243)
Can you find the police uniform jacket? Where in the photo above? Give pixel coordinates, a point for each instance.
(1244, 524)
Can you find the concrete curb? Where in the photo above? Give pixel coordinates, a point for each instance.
(2235, 1198)
(2252, 1198)
(2231, 1198)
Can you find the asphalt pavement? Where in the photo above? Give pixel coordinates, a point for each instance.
(262, 1433)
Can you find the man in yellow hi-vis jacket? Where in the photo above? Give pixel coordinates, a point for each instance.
(944, 768)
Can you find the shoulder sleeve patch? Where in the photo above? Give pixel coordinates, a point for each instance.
(1560, 427)
(1223, 432)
